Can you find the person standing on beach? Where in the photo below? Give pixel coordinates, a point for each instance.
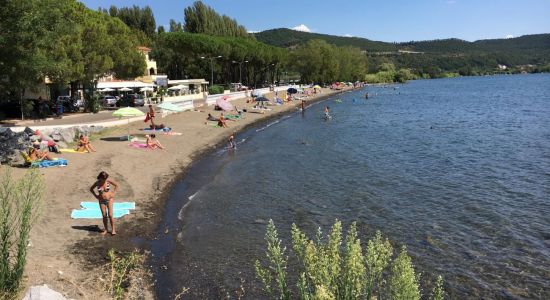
(303, 105)
(106, 189)
(151, 116)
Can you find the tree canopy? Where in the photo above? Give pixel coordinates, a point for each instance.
(64, 41)
(201, 18)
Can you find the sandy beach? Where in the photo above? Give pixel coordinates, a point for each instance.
(69, 255)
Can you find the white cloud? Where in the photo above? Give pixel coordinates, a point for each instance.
(509, 36)
(301, 27)
(348, 35)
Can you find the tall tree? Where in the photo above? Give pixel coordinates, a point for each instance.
(200, 18)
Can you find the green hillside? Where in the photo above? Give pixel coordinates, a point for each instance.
(288, 38)
(445, 57)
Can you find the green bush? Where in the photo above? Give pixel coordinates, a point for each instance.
(215, 89)
(334, 267)
(20, 205)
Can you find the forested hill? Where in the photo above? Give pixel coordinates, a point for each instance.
(288, 38)
(284, 37)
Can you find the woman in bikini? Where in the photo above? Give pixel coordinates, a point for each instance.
(222, 122)
(38, 155)
(84, 144)
(153, 143)
(106, 189)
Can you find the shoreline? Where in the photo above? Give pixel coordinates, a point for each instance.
(64, 252)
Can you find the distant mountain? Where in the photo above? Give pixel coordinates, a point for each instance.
(289, 38)
(446, 57)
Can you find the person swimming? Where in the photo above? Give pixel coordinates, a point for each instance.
(327, 113)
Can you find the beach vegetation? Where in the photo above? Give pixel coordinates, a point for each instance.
(334, 266)
(21, 202)
(124, 270)
(215, 89)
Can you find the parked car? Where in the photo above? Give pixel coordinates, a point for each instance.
(131, 100)
(109, 101)
(69, 104)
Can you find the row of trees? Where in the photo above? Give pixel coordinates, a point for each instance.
(200, 18)
(205, 33)
(318, 61)
(183, 54)
(63, 41)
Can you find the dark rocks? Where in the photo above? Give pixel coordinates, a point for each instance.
(11, 143)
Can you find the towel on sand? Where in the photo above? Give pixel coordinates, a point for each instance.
(91, 210)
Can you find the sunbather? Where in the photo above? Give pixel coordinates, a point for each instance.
(153, 143)
(38, 155)
(222, 122)
(84, 144)
(159, 127)
(211, 118)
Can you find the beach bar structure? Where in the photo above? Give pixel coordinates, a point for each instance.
(187, 93)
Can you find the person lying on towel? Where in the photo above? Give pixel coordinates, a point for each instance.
(159, 127)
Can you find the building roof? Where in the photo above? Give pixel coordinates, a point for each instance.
(144, 49)
(187, 81)
(122, 84)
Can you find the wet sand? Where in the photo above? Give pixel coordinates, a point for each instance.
(68, 254)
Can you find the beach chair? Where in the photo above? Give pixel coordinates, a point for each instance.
(58, 162)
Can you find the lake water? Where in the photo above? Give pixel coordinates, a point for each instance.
(458, 170)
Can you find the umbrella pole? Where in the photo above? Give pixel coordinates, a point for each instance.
(128, 129)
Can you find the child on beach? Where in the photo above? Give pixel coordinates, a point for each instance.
(106, 189)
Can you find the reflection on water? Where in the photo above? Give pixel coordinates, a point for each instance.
(456, 169)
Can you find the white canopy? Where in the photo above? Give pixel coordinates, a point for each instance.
(146, 89)
(106, 90)
(178, 87)
(122, 84)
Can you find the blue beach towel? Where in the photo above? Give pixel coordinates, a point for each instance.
(96, 213)
(60, 162)
(116, 205)
(91, 210)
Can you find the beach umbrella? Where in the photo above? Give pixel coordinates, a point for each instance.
(292, 91)
(127, 112)
(124, 89)
(317, 87)
(223, 104)
(146, 89)
(169, 106)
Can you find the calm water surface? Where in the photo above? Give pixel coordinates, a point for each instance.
(456, 169)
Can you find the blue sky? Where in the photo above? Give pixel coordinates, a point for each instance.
(390, 21)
